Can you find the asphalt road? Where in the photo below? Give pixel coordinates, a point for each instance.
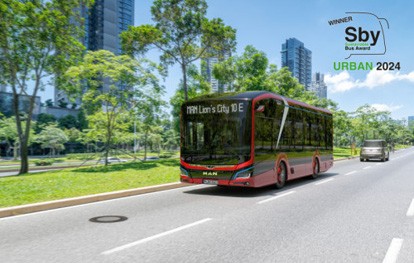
(356, 212)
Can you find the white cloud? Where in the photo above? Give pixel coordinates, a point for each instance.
(385, 107)
(341, 82)
(375, 78)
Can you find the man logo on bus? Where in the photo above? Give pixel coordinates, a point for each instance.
(210, 173)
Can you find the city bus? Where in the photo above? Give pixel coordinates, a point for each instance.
(253, 139)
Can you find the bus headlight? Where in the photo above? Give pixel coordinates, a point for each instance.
(183, 171)
(244, 173)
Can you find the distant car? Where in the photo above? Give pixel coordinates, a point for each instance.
(112, 160)
(374, 149)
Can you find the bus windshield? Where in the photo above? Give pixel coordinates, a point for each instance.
(216, 132)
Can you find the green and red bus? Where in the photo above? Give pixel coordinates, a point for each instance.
(253, 139)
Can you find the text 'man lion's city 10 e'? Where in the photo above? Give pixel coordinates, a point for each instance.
(253, 139)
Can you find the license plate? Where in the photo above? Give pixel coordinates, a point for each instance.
(213, 182)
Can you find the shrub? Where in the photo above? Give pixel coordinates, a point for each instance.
(44, 162)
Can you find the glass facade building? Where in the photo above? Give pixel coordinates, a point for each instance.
(299, 61)
(319, 86)
(207, 66)
(106, 20)
(6, 104)
(103, 24)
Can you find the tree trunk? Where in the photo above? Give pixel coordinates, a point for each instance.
(184, 69)
(145, 145)
(24, 158)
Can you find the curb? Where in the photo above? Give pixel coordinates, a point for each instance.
(37, 207)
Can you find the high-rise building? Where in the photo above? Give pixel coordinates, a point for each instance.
(299, 61)
(103, 24)
(106, 20)
(207, 66)
(318, 86)
(7, 102)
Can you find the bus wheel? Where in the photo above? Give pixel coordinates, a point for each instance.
(281, 175)
(315, 172)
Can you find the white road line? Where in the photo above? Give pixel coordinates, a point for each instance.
(276, 197)
(393, 251)
(366, 167)
(117, 249)
(351, 173)
(324, 181)
(410, 211)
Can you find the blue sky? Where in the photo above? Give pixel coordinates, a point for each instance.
(266, 24)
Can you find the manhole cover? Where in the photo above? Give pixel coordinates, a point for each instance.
(108, 219)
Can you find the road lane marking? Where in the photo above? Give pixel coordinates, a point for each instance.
(324, 181)
(141, 241)
(351, 173)
(393, 250)
(276, 197)
(366, 167)
(410, 211)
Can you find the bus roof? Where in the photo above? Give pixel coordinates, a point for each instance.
(251, 95)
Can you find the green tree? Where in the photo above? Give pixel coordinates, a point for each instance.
(110, 131)
(44, 120)
(343, 129)
(197, 86)
(81, 120)
(38, 39)
(252, 71)
(68, 122)
(73, 134)
(149, 113)
(9, 134)
(49, 103)
(116, 84)
(182, 33)
(52, 138)
(244, 73)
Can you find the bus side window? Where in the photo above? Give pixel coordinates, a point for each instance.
(299, 129)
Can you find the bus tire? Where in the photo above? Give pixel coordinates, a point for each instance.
(281, 175)
(316, 169)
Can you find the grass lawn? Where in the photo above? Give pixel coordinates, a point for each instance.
(344, 153)
(53, 185)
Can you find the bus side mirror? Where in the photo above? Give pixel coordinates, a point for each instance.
(260, 108)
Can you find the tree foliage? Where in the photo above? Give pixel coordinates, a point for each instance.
(52, 138)
(368, 123)
(197, 86)
(115, 85)
(182, 33)
(38, 39)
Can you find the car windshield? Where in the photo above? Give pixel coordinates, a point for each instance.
(374, 143)
(216, 132)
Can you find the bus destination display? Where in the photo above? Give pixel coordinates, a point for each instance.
(219, 108)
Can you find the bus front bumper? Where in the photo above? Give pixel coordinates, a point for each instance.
(245, 182)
